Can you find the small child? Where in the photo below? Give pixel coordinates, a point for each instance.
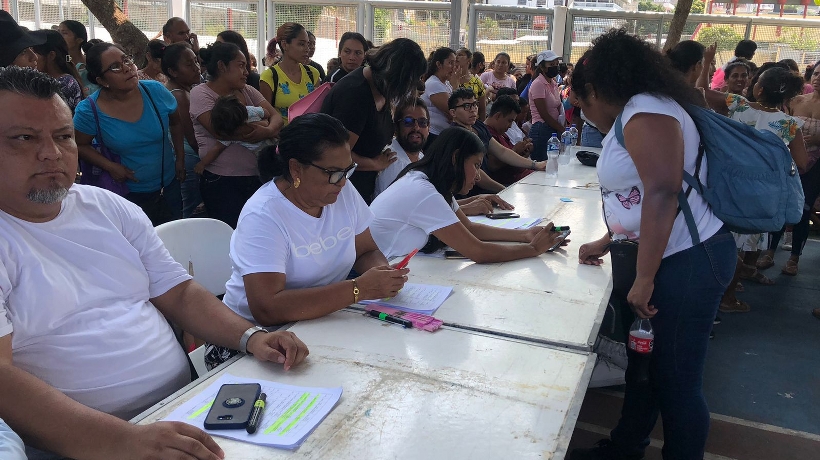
(231, 119)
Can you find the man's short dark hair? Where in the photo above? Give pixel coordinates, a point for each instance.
(29, 82)
(506, 92)
(746, 49)
(504, 105)
(461, 93)
(406, 103)
(166, 29)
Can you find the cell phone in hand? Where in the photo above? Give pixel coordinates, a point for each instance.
(502, 215)
(560, 241)
(453, 255)
(232, 408)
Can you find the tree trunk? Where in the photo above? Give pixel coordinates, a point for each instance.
(121, 29)
(678, 23)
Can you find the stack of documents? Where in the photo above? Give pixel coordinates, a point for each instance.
(291, 413)
(417, 298)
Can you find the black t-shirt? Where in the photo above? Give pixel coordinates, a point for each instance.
(336, 76)
(253, 80)
(351, 102)
(319, 68)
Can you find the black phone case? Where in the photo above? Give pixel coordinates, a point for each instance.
(503, 216)
(558, 244)
(453, 255)
(228, 412)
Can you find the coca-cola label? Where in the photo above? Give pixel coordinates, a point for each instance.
(641, 344)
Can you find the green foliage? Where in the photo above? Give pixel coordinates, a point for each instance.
(381, 23)
(489, 28)
(647, 5)
(725, 37)
(798, 39)
(698, 7)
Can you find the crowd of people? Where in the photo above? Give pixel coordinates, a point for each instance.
(405, 146)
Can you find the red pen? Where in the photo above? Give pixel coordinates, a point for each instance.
(406, 260)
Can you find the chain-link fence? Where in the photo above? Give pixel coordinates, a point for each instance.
(207, 19)
(428, 26)
(327, 22)
(518, 34)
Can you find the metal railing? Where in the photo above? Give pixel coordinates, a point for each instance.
(518, 31)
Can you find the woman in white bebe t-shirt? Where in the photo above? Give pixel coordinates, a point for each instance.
(679, 284)
(301, 233)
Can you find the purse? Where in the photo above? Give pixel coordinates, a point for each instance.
(94, 175)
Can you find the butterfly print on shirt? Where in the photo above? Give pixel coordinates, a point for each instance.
(634, 198)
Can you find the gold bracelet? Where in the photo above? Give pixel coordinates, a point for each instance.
(355, 291)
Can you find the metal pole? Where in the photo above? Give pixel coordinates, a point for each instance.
(472, 32)
(362, 19)
(455, 23)
(37, 14)
(658, 40)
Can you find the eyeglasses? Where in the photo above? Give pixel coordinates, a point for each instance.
(117, 67)
(334, 176)
(467, 106)
(408, 122)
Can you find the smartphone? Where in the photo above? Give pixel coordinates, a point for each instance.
(453, 255)
(564, 234)
(232, 408)
(502, 215)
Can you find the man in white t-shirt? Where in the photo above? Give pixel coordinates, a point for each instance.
(410, 138)
(84, 285)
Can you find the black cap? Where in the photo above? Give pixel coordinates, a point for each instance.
(14, 39)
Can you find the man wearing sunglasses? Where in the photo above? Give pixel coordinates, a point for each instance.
(412, 128)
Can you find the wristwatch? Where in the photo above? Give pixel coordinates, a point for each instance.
(243, 342)
(534, 165)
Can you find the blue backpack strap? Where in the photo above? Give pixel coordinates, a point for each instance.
(683, 202)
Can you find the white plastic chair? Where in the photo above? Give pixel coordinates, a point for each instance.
(202, 247)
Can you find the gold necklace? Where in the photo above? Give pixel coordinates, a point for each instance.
(767, 107)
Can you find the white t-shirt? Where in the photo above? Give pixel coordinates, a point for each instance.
(438, 120)
(387, 176)
(623, 191)
(407, 213)
(515, 134)
(75, 294)
(274, 236)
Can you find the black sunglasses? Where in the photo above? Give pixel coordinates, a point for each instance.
(334, 176)
(408, 122)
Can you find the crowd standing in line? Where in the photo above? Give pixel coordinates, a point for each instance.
(405, 147)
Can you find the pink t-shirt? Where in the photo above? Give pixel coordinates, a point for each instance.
(545, 89)
(235, 160)
(490, 81)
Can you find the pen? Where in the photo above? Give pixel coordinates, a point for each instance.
(390, 318)
(406, 260)
(560, 229)
(256, 414)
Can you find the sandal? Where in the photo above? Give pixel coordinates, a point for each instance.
(738, 306)
(765, 261)
(755, 275)
(790, 268)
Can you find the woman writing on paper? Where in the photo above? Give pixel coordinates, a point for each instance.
(420, 203)
(302, 232)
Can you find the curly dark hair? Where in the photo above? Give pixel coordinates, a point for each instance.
(620, 65)
(779, 85)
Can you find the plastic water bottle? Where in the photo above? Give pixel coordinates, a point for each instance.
(574, 131)
(553, 151)
(566, 147)
(639, 349)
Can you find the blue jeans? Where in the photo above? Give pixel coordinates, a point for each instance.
(540, 134)
(688, 289)
(224, 196)
(190, 188)
(591, 137)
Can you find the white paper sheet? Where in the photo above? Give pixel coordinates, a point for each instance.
(291, 412)
(418, 298)
(518, 222)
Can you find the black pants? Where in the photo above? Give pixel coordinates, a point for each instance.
(800, 231)
(224, 196)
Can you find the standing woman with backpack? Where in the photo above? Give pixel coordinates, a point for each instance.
(678, 284)
(289, 80)
(773, 88)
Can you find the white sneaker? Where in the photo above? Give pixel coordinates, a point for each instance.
(787, 242)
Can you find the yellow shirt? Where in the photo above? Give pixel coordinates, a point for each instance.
(287, 91)
(475, 84)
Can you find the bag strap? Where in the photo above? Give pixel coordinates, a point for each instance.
(683, 197)
(164, 139)
(275, 78)
(98, 135)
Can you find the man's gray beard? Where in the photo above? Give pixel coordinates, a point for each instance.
(47, 196)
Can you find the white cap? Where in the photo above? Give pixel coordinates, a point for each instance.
(546, 56)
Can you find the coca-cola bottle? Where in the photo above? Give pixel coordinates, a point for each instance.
(639, 350)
